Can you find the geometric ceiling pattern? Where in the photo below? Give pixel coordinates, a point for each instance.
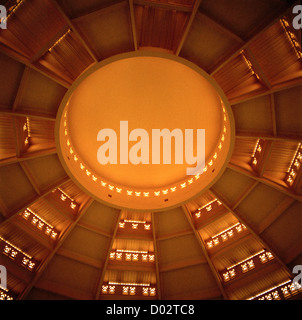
(238, 240)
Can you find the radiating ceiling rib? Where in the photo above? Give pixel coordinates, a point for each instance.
(16, 56)
(202, 246)
(6, 110)
(244, 194)
(133, 24)
(158, 282)
(251, 229)
(182, 7)
(265, 181)
(188, 26)
(257, 68)
(277, 212)
(20, 88)
(30, 177)
(37, 197)
(28, 156)
(75, 30)
(102, 271)
(45, 263)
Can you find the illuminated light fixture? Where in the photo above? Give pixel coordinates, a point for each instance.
(173, 189)
(294, 166)
(284, 290)
(118, 255)
(225, 235)
(118, 190)
(13, 9)
(156, 193)
(129, 192)
(207, 206)
(4, 294)
(105, 289)
(246, 265)
(59, 40)
(146, 194)
(39, 223)
(122, 224)
(132, 291)
(249, 64)
(15, 253)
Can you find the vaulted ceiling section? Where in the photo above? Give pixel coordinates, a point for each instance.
(238, 240)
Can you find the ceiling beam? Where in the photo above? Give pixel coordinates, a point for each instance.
(273, 115)
(220, 27)
(33, 181)
(276, 88)
(23, 82)
(188, 27)
(155, 244)
(257, 68)
(50, 188)
(255, 135)
(48, 45)
(94, 229)
(265, 158)
(162, 5)
(28, 156)
(205, 253)
(16, 56)
(11, 111)
(245, 193)
(275, 214)
(102, 9)
(265, 181)
(45, 263)
(133, 24)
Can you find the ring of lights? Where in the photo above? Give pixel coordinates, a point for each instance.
(119, 194)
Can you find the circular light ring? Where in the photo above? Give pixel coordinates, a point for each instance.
(123, 196)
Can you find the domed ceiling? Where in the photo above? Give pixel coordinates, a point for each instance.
(236, 237)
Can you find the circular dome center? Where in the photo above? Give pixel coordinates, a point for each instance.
(143, 126)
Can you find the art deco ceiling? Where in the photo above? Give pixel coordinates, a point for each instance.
(238, 240)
